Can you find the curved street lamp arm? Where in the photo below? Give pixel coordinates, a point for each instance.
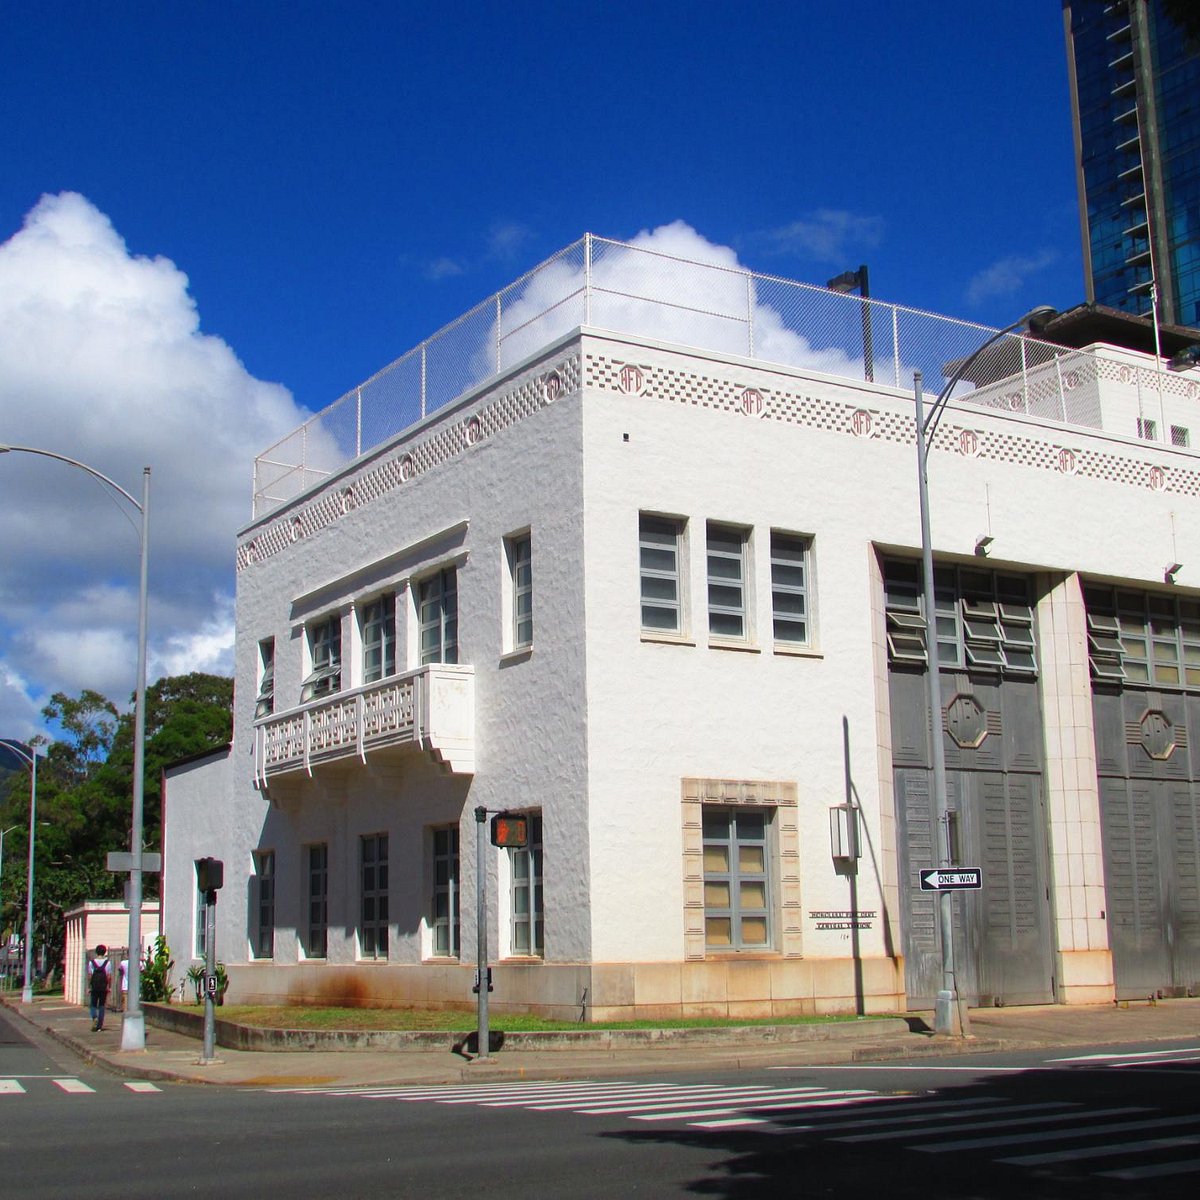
(1041, 314)
(73, 462)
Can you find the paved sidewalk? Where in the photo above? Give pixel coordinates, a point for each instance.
(175, 1056)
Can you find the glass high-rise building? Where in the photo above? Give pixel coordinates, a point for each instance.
(1135, 99)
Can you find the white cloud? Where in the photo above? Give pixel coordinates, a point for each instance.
(1008, 275)
(443, 268)
(677, 286)
(102, 359)
(828, 235)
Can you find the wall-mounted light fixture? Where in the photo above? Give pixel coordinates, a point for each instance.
(1171, 570)
(982, 542)
(843, 832)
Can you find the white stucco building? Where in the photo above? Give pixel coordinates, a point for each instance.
(633, 549)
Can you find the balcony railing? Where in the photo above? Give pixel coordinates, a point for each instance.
(431, 709)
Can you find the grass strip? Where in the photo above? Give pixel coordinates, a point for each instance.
(463, 1020)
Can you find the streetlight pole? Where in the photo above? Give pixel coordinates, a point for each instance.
(133, 1026)
(949, 1017)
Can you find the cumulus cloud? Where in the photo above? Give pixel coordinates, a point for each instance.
(1008, 275)
(677, 286)
(102, 359)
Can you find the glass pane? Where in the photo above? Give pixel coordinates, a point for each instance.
(521, 901)
(658, 560)
(656, 587)
(716, 859)
(751, 826)
(751, 859)
(754, 931)
(725, 625)
(716, 895)
(718, 931)
(753, 895)
(521, 938)
(715, 822)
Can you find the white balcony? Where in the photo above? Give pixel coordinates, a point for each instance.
(430, 709)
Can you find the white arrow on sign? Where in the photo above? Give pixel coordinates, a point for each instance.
(951, 879)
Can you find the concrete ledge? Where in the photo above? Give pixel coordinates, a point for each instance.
(246, 1037)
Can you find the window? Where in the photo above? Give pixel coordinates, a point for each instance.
(264, 706)
(789, 588)
(982, 619)
(527, 913)
(659, 541)
(373, 925)
(737, 914)
(1146, 638)
(437, 616)
(264, 942)
(325, 641)
(317, 933)
(726, 581)
(520, 572)
(1147, 429)
(445, 892)
(1180, 436)
(379, 638)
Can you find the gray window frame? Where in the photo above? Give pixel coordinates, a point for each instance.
(437, 617)
(528, 927)
(264, 704)
(325, 645)
(445, 918)
(373, 896)
(519, 551)
(378, 625)
(735, 877)
(660, 573)
(728, 593)
(264, 886)
(786, 620)
(316, 940)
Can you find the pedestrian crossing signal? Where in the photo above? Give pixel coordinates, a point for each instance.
(510, 830)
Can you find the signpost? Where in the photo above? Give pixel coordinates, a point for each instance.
(952, 879)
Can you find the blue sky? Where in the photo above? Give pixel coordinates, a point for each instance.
(254, 207)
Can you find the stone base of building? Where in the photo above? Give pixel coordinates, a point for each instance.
(1086, 977)
(745, 988)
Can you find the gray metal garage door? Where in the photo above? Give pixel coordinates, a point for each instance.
(992, 734)
(1145, 663)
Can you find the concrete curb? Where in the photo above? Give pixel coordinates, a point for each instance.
(252, 1038)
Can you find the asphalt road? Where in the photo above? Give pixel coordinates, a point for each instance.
(1125, 1124)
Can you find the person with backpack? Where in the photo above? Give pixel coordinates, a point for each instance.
(98, 986)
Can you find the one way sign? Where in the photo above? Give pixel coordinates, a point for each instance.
(956, 879)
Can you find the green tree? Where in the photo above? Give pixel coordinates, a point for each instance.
(85, 784)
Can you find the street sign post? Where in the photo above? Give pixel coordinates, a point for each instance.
(952, 879)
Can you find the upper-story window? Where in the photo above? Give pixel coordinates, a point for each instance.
(790, 617)
(379, 638)
(727, 581)
(325, 644)
(519, 552)
(264, 705)
(660, 547)
(437, 617)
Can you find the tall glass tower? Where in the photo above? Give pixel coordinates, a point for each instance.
(1135, 100)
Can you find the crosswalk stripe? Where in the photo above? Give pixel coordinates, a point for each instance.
(1108, 1150)
(141, 1085)
(1045, 1113)
(75, 1087)
(10, 1087)
(697, 1095)
(1060, 1135)
(730, 1123)
(905, 1115)
(754, 1100)
(1154, 1170)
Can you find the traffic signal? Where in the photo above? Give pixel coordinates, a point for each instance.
(510, 829)
(210, 874)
